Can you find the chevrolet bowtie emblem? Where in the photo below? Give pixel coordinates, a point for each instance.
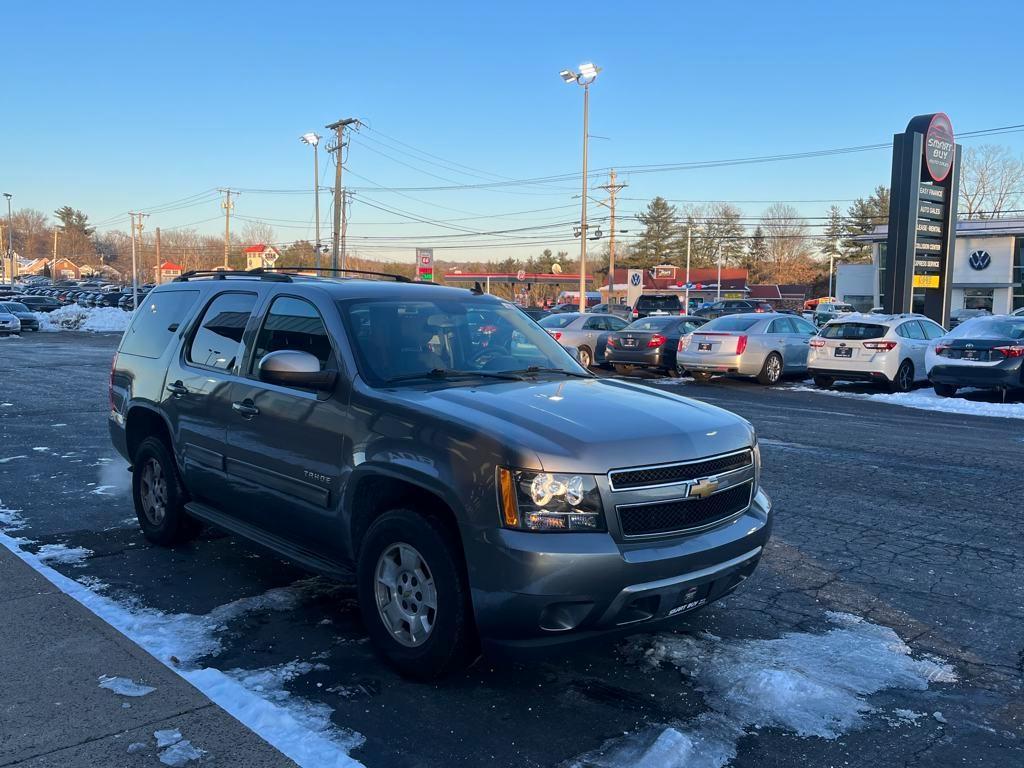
(703, 487)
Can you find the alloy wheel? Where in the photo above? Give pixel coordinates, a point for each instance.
(774, 366)
(153, 492)
(406, 595)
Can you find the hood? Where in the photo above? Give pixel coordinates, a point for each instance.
(587, 425)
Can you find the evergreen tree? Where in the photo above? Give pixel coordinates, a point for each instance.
(835, 230)
(73, 220)
(862, 217)
(659, 241)
(756, 261)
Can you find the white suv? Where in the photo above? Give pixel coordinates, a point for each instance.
(886, 349)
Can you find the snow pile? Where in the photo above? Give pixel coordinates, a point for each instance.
(125, 686)
(93, 319)
(299, 729)
(804, 683)
(59, 553)
(926, 399)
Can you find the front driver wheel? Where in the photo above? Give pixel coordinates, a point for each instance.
(771, 371)
(413, 595)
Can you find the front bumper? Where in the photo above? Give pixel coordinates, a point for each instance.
(1005, 375)
(544, 590)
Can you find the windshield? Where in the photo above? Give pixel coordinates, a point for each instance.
(14, 306)
(407, 339)
(560, 320)
(853, 331)
(650, 324)
(730, 323)
(988, 327)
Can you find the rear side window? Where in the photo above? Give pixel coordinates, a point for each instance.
(556, 321)
(730, 324)
(218, 340)
(650, 324)
(855, 331)
(932, 331)
(151, 328)
(911, 330)
(294, 324)
(989, 328)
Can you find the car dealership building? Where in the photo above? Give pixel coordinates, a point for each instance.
(988, 268)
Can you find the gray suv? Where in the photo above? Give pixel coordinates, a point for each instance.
(441, 448)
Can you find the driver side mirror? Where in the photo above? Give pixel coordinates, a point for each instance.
(294, 368)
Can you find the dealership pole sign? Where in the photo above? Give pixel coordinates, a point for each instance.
(425, 264)
(922, 218)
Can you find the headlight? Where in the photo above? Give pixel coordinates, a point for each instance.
(757, 464)
(548, 501)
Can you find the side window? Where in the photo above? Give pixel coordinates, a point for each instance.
(152, 324)
(218, 340)
(294, 324)
(910, 330)
(616, 323)
(933, 331)
(782, 325)
(594, 324)
(718, 305)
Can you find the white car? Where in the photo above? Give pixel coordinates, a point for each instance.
(885, 349)
(9, 324)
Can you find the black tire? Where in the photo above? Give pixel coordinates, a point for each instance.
(771, 371)
(451, 643)
(824, 382)
(944, 390)
(586, 356)
(621, 369)
(701, 375)
(173, 525)
(672, 373)
(904, 380)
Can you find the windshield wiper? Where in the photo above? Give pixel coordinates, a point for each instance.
(446, 373)
(538, 369)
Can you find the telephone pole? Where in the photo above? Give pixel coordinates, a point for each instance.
(156, 278)
(337, 244)
(612, 188)
(53, 262)
(136, 225)
(227, 205)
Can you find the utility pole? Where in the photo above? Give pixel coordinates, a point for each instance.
(686, 291)
(53, 262)
(337, 244)
(156, 278)
(136, 224)
(227, 205)
(718, 292)
(9, 270)
(613, 189)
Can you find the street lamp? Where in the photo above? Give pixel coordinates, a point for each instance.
(313, 140)
(586, 75)
(9, 270)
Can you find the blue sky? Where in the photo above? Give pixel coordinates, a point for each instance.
(120, 106)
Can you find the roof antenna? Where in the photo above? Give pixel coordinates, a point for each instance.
(477, 289)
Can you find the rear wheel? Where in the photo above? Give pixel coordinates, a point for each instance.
(672, 373)
(622, 370)
(586, 357)
(701, 375)
(824, 382)
(904, 380)
(771, 371)
(944, 390)
(413, 595)
(159, 495)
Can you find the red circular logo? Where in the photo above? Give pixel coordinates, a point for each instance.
(939, 147)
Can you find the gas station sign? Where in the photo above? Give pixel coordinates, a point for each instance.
(425, 265)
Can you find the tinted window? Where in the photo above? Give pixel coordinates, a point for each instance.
(150, 330)
(616, 323)
(853, 331)
(653, 303)
(560, 320)
(802, 326)
(782, 325)
(595, 324)
(218, 340)
(989, 328)
(932, 331)
(651, 324)
(734, 323)
(911, 330)
(294, 324)
(15, 306)
(688, 326)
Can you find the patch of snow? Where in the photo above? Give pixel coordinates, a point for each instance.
(938, 717)
(60, 553)
(92, 319)
(180, 753)
(180, 641)
(41, 449)
(58, 425)
(137, 746)
(10, 520)
(167, 737)
(12, 458)
(806, 683)
(927, 400)
(125, 686)
(103, 490)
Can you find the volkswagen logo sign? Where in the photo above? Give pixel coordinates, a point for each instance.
(636, 277)
(979, 260)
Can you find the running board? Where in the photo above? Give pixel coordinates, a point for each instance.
(276, 544)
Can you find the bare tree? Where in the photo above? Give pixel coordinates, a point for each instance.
(788, 244)
(991, 181)
(257, 233)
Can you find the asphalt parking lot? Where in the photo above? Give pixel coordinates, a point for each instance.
(907, 519)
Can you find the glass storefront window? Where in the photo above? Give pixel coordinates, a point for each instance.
(978, 298)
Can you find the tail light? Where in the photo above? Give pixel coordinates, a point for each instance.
(656, 340)
(816, 343)
(684, 342)
(881, 346)
(610, 341)
(1013, 350)
(556, 335)
(741, 343)
(941, 349)
(636, 313)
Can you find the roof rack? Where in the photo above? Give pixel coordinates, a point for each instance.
(222, 274)
(295, 269)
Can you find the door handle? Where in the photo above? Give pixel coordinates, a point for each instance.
(177, 389)
(245, 408)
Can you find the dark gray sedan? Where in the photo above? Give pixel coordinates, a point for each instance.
(650, 343)
(29, 321)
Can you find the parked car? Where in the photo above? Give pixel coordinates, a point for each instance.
(495, 497)
(109, 299)
(984, 352)
(1018, 312)
(536, 313)
(29, 322)
(619, 310)
(657, 304)
(584, 333)
(650, 343)
(39, 303)
(9, 324)
(957, 316)
(830, 310)
(884, 349)
(733, 307)
(767, 346)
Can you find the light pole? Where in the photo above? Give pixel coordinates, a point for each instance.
(718, 290)
(831, 262)
(586, 75)
(9, 261)
(313, 140)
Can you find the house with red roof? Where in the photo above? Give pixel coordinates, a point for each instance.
(261, 256)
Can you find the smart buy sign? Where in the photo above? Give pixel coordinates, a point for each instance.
(939, 147)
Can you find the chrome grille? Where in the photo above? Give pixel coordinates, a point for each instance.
(681, 515)
(667, 474)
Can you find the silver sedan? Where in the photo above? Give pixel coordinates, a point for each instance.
(765, 346)
(585, 332)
